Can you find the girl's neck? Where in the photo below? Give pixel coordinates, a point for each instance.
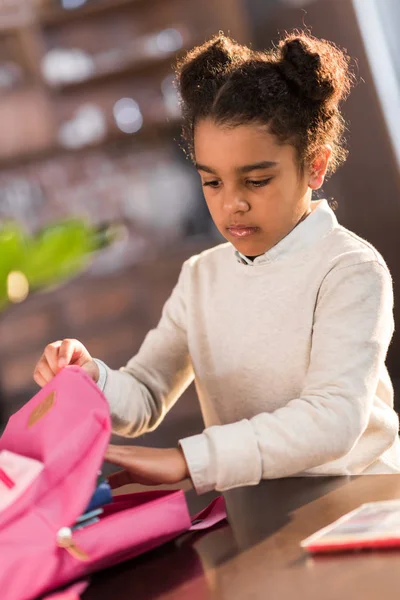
(304, 216)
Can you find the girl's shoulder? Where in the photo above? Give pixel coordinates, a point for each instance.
(346, 248)
(212, 257)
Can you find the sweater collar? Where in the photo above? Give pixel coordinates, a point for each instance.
(316, 226)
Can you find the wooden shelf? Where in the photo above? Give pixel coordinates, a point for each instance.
(133, 67)
(58, 16)
(46, 24)
(13, 26)
(12, 22)
(149, 133)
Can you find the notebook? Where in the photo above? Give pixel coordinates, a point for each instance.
(372, 525)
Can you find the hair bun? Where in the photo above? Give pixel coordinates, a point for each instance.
(315, 69)
(204, 68)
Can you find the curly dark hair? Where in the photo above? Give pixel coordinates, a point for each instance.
(294, 88)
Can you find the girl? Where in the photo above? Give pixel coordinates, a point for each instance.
(284, 328)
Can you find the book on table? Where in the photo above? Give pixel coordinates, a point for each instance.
(371, 525)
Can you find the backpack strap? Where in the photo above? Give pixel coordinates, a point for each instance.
(214, 513)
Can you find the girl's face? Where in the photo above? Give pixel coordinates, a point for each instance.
(251, 184)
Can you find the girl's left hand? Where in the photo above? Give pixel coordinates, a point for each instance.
(148, 466)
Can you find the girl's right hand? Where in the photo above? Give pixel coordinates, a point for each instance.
(60, 354)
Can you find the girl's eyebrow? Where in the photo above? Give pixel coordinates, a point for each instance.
(204, 168)
(265, 164)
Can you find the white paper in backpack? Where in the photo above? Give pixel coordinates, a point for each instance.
(17, 473)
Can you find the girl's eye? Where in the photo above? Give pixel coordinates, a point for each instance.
(213, 184)
(256, 184)
(260, 183)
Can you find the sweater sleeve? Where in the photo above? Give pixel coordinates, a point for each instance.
(352, 329)
(142, 392)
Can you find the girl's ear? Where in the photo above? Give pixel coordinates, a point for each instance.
(318, 167)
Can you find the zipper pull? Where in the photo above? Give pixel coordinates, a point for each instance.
(65, 540)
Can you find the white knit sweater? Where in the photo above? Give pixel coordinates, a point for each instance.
(288, 356)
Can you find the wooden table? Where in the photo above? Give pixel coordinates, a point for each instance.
(257, 556)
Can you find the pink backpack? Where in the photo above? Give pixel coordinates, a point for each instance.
(50, 455)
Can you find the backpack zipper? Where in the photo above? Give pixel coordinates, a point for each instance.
(66, 541)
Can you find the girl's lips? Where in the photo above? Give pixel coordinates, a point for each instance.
(241, 232)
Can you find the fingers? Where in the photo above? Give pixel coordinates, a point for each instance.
(51, 355)
(56, 356)
(46, 372)
(46, 368)
(117, 480)
(43, 374)
(39, 379)
(66, 352)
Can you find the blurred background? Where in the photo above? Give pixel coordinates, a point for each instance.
(99, 206)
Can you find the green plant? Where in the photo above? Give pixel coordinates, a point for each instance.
(58, 252)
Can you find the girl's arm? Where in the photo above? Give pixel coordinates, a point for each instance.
(353, 326)
(141, 393)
